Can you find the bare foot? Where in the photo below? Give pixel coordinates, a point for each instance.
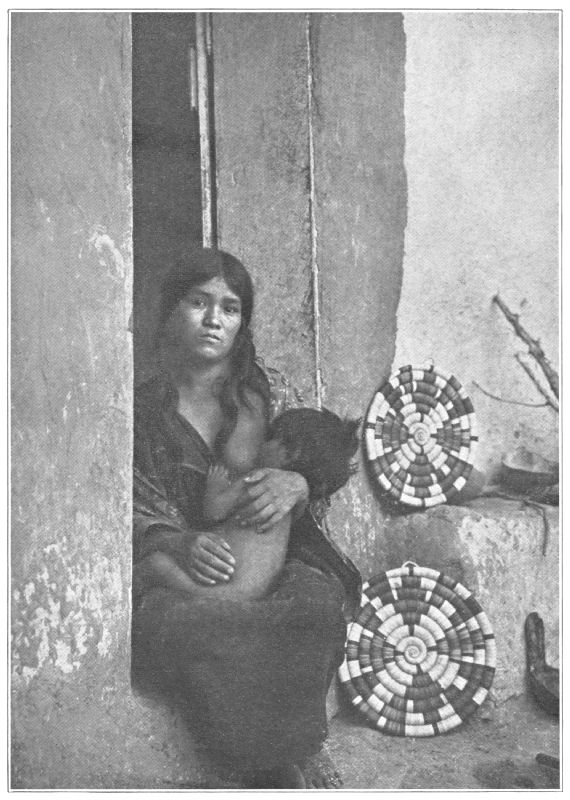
(321, 773)
(289, 776)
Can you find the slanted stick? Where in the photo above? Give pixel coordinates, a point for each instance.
(534, 379)
(533, 345)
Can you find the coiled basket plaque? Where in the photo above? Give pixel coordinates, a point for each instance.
(420, 436)
(420, 655)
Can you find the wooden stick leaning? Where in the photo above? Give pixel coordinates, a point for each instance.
(534, 379)
(534, 348)
(511, 402)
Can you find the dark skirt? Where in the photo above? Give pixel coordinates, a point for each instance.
(255, 674)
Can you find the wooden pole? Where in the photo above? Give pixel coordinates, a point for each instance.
(315, 276)
(192, 78)
(203, 44)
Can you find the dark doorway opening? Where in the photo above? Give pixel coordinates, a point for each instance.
(166, 165)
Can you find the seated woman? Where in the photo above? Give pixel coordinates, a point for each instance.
(316, 444)
(255, 673)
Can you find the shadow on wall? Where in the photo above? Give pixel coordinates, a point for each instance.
(166, 165)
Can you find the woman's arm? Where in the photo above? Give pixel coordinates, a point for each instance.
(271, 495)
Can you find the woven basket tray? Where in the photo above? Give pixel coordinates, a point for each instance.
(420, 656)
(420, 436)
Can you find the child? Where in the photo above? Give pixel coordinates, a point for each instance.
(318, 445)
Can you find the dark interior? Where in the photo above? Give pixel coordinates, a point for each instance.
(166, 164)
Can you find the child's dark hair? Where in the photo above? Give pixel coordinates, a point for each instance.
(320, 445)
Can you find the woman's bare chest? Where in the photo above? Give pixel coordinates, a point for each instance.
(241, 448)
(204, 416)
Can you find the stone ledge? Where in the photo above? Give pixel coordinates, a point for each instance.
(494, 547)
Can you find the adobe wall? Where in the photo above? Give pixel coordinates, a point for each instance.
(416, 222)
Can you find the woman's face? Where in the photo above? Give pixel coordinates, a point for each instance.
(205, 322)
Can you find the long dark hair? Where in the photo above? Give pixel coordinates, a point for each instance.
(198, 267)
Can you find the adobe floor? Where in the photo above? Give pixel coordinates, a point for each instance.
(495, 753)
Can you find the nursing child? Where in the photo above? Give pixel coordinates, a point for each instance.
(318, 445)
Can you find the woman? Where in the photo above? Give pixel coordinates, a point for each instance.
(255, 673)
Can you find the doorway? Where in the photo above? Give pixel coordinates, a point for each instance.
(166, 165)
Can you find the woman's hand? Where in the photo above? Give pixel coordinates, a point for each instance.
(269, 495)
(210, 559)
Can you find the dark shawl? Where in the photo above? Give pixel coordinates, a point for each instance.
(255, 673)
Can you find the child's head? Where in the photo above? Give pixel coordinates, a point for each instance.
(317, 444)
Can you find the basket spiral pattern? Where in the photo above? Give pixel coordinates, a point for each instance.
(420, 436)
(420, 655)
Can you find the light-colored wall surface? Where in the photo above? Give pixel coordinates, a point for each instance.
(71, 397)
(481, 158)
